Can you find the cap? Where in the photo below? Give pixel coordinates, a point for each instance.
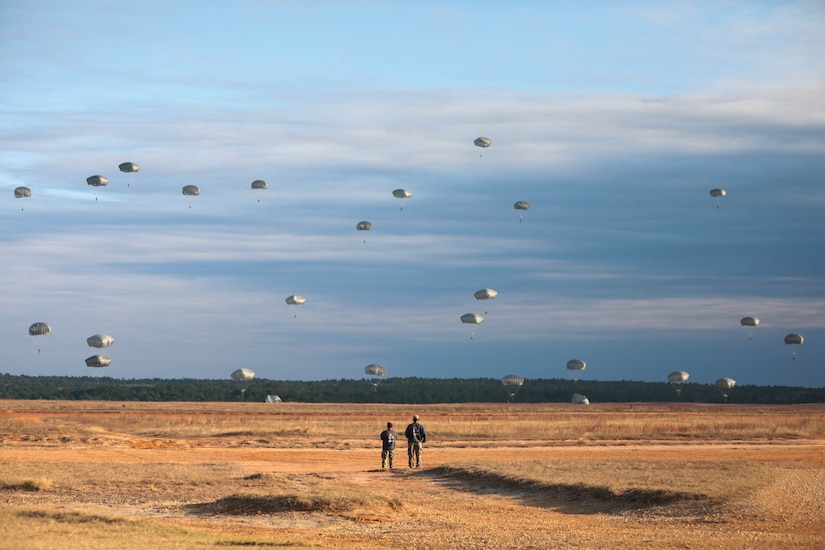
(415, 417)
(389, 424)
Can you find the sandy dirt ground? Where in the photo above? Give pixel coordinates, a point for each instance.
(428, 509)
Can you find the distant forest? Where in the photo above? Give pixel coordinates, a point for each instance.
(393, 390)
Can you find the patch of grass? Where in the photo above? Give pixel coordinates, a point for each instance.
(271, 493)
(620, 484)
(40, 484)
(48, 528)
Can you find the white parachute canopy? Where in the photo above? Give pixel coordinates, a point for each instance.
(36, 330)
(512, 380)
(97, 181)
(725, 383)
(242, 374)
(128, 167)
(485, 294)
(401, 194)
(375, 370)
(100, 341)
(97, 361)
(521, 206)
(259, 184)
(22, 192)
(295, 300)
(472, 319)
(482, 142)
(190, 190)
(678, 376)
(794, 338)
(580, 399)
(364, 226)
(40, 329)
(273, 399)
(576, 364)
(749, 321)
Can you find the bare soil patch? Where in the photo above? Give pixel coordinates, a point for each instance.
(494, 476)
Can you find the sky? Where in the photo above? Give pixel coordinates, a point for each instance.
(613, 120)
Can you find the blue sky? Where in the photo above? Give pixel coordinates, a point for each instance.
(612, 119)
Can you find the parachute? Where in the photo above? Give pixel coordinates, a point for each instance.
(749, 322)
(295, 300)
(717, 194)
(97, 181)
(258, 185)
(676, 377)
(190, 191)
(521, 205)
(128, 168)
(794, 338)
(100, 341)
(575, 366)
(97, 361)
(485, 294)
(482, 142)
(512, 380)
(725, 385)
(579, 399)
(36, 331)
(364, 226)
(40, 329)
(273, 399)
(242, 374)
(375, 370)
(472, 319)
(22, 193)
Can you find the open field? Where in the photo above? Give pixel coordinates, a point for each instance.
(77, 474)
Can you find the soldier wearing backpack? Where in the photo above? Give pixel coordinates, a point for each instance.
(416, 437)
(388, 447)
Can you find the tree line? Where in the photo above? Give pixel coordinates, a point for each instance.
(392, 390)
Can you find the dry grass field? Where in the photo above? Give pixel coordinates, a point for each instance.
(80, 475)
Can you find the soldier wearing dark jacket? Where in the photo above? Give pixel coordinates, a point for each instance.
(388, 447)
(416, 437)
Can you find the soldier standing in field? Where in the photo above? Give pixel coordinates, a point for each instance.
(416, 437)
(388, 447)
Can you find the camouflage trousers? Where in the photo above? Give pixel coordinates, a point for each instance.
(385, 455)
(414, 453)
